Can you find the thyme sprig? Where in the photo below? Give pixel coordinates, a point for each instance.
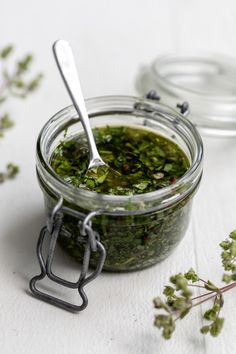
(11, 172)
(179, 299)
(5, 123)
(14, 83)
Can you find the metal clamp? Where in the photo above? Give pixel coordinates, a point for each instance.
(92, 244)
(184, 107)
(152, 95)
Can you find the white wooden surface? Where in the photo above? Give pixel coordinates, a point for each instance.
(111, 40)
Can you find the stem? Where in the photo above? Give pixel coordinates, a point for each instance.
(203, 281)
(209, 295)
(197, 286)
(228, 287)
(221, 290)
(5, 83)
(215, 300)
(177, 318)
(3, 88)
(206, 294)
(202, 301)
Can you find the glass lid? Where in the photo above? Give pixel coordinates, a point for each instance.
(207, 83)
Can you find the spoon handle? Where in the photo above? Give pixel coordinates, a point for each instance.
(66, 64)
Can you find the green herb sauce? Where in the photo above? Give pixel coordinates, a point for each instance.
(145, 161)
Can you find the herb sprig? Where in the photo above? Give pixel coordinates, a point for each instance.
(14, 83)
(179, 301)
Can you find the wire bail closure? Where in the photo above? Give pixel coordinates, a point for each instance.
(92, 244)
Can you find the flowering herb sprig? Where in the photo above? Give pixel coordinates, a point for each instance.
(14, 83)
(179, 299)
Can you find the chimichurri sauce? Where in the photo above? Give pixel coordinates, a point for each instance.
(145, 160)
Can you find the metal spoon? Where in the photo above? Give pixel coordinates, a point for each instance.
(66, 65)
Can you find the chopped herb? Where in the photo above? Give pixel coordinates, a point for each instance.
(146, 161)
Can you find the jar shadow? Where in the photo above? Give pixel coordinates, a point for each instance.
(20, 242)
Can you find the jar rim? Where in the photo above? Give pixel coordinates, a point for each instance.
(121, 204)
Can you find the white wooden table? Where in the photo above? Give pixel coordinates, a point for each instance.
(111, 40)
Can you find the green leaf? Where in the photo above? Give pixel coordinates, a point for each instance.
(171, 299)
(12, 170)
(179, 304)
(90, 183)
(233, 248)
(212, 313)
(233, 235)
(187, 293)
(167, 332)
(5, 122)
(165, 322)
(185, 312)
(205, 329)
(216, 326)
(143, 185)
(179, 281)
(161, 320)
(10, 173)
(18, 83)
(33, 84)
(23, 64)
(158, 303)
(168, 167)
(191, 275)
(5, 52)
(225, 245)
(227, 278)
(169, 290)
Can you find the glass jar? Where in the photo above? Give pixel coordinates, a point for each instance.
(136, 231)
(206, 82)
